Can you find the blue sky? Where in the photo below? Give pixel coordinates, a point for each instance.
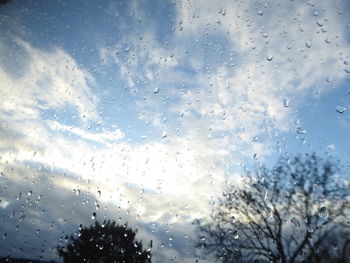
(164, 100)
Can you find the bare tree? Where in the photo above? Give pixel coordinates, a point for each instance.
(285, 214)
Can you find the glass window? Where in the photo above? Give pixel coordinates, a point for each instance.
(174, 131)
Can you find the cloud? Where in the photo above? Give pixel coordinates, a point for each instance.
(105, 137)
(46, 80)
(46, 207)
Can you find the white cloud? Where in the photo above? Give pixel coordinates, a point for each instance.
(105, 137)
(51, 80)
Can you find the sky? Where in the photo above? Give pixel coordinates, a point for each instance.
(141, 111)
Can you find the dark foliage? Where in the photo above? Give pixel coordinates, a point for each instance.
(4, 2)
(22, 260)
(296, 212)
(102, 243)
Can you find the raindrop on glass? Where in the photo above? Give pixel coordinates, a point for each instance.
(269, 57)
(323, 212)
(286, 102)
(308, 44)
(310, 229)
(21, 218)
(301, 131)
(93, 217)
(156, 90)
(260, 12)
(340, 109)
(233, 219)
(296, 222)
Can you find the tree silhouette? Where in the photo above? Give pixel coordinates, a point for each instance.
(295, 212)
(4, 2)
(102, 243)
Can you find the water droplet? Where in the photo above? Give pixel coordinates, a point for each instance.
(310, 229)
(93, 217)
(296, 222)
(30, 193)
(308, 44)
(256, 156)
(327, 40)
(255, 139)
(156, 90)
(323, 212)
(340, 109)
(235, 235)
(301, 131)
(286, 102)
(164, 134)
(269, 57)
(319, 23)
(347, 70)
(260, 12)
(21, 218)
(4, 236)
(99, 194)
(233, 219)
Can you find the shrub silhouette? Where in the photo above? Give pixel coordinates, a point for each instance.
(102, 243)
